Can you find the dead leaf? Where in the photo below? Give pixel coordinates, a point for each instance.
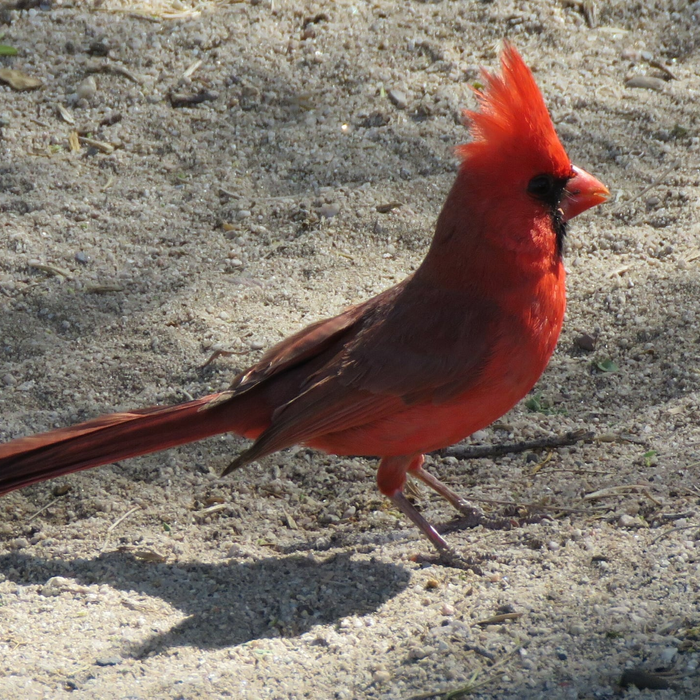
(149, 555)
(65, 114)
(101, 146)
(18, 80)
(51, 269)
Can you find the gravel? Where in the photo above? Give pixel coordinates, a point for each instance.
(267, 164)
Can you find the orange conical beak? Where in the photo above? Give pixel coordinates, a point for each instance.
(582, 192)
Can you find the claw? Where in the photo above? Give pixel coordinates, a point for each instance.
(473, 516)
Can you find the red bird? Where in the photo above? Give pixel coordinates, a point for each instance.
(416, 368)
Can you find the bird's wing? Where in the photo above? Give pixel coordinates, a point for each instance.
(307, 344)
(428, 347)
(417, 346)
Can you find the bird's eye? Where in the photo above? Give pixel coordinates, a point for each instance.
(541, 186)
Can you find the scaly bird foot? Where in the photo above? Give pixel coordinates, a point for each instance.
(473, 515)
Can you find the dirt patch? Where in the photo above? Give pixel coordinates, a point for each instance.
(248, 148)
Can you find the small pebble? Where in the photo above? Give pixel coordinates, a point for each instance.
(397, 98)
(8, 380)
(87, 89)
(628, 521)
(418, 653)
(630, 54)
(109, 661)
(585, 342)
(50, 591)
(235, 550)
(381, 676)
(328, 211)
(645, 82)
(668, 654)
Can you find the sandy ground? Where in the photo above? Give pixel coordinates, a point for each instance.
(232, 222)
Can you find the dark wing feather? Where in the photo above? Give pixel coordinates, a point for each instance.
(307, 344)
(428, 348)
(418, 345)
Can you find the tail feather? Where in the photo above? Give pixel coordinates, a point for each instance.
(108, 439)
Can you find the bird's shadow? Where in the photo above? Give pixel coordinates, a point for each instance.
(231, 603)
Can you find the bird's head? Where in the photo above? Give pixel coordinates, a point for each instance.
(515, 173)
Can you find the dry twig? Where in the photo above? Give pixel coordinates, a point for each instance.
(47, 506)
(648, 188)
(117, 522)
(674, 529)
(479, 452)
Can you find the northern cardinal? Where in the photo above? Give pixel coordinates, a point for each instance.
(416, 368)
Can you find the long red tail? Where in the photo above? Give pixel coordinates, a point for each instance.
(108, 439)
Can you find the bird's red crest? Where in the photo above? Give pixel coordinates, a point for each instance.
(513, 117)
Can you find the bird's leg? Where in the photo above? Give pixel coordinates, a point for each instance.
(409, 510)
(461, 504)
(391, 477)
(473, 516)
